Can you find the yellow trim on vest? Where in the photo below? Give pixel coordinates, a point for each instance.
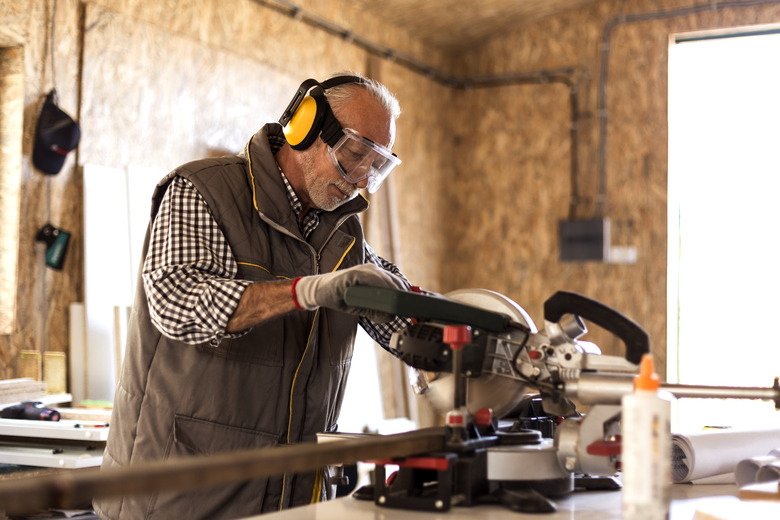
(316, 493)
(264, 269)
(292, 389)
(345, 254)
(254, 265)
(295, 377)
(327, 325)
(327, 332)
(251, 175)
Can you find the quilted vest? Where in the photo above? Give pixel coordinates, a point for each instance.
(280, 383)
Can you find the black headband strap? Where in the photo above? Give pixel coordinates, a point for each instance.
(341, 80)
(309, 84)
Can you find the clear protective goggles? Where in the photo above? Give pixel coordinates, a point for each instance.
(357, 158)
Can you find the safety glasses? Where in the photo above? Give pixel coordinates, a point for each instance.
(357, 158)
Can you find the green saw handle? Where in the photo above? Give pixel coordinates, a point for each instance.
(424, 307)
(634, 337)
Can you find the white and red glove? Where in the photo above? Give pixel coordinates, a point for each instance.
(327, 290)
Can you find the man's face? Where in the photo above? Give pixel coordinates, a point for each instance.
(325, 188)
(326, 191)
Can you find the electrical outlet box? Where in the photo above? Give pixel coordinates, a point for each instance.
(585, 240)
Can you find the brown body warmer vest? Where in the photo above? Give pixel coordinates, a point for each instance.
(281, 383)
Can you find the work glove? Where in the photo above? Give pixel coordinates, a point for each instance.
(327, 290)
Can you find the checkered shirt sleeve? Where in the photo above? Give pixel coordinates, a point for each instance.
(381, 332)
(189, 271)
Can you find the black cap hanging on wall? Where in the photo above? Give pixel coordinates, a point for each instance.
(56, 135)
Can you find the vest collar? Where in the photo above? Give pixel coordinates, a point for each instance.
(268, 192)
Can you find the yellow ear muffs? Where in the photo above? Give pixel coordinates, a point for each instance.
(305, 124)
(309, 112)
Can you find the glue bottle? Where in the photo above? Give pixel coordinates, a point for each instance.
(646, 447)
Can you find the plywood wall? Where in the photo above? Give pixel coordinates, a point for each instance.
(43, 295)
(486, 172)
(155, 84)
(511, 184)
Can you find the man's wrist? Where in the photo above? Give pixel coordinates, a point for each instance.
(294, 295)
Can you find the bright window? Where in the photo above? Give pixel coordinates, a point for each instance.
(724, 223)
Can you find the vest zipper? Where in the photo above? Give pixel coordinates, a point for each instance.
(332, 232)
(317, 258)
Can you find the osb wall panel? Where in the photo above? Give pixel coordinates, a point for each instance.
(165, 82)
(11, 124)
(485, 173)
(198, 100)
(526, 149)
(238, 104)
(423, 145)
(42, 293)
(504, 213)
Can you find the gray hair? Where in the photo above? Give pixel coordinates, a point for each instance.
(340, 95)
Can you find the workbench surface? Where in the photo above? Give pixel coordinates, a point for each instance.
(689, 502)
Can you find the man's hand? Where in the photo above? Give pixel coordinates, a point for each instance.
(327, 290)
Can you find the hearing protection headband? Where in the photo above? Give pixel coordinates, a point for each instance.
(309, 113)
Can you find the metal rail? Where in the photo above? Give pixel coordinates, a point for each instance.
(68, 490)
(725, 392)
(609, 388)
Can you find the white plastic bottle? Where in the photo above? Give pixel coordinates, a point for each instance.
(646, 447)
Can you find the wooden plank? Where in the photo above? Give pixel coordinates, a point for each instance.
(70, 489)
(761, 491)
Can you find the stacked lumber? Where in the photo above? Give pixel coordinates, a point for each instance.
(21, 389)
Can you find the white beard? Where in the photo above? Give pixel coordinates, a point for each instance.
(318, 188)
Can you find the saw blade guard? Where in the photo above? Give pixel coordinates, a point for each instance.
(488, 390)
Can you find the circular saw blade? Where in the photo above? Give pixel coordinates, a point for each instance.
(499, 393)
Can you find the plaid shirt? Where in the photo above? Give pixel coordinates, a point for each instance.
(190, 273)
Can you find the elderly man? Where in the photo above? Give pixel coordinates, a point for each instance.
(239, 337)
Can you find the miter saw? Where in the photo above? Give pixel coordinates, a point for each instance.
(513, 433)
